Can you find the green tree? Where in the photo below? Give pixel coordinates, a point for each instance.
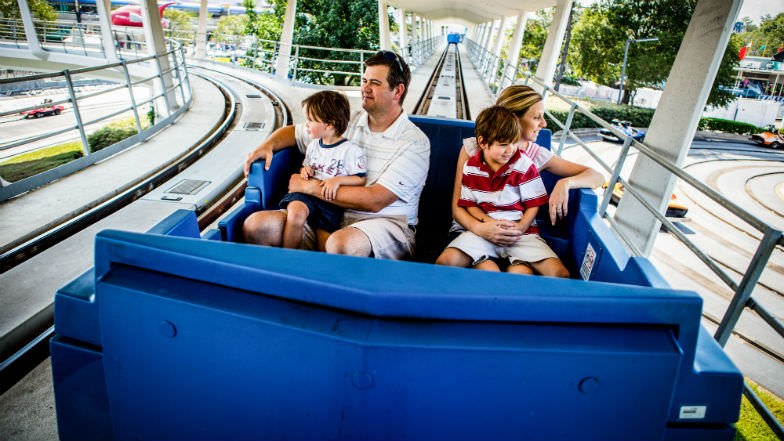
(535, 34)
(327, 23)
(39, 8)
(266, 27)
(600, 37)
(180, 24)
(232, 24)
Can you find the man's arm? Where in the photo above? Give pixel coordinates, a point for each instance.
(329, 187)
(279, 139)
(373, 198)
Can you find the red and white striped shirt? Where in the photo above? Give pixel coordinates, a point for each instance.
(506, 193)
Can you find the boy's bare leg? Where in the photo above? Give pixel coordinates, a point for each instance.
(520, 268)
(296, 216)
(321, 238)
(264, 228)
(454, 257)
(552, 267)
(487, 265)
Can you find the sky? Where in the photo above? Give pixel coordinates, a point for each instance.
(757, 8)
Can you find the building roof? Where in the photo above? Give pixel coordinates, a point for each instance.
(469, 12)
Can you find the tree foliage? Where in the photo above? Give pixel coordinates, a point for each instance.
(232, 24)
(770, 34)
(39, 8)
(600, 37)
(534, 36)
(180, 23)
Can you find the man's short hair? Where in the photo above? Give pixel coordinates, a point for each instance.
(497, 123)
(399, 73)
(329, 107)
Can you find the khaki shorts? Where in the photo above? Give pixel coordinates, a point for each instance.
(529, 248)
(390, 236)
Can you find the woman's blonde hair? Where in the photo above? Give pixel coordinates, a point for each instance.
(518, 99)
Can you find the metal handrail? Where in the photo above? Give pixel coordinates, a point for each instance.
(771, 237)
(177, 87)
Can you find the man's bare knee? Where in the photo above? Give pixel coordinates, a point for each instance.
(264, 228)
(349, 241)
(453, 257)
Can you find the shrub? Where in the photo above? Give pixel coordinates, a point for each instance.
(727, 126)
(639, 116)
(108, 135)
(114, 132)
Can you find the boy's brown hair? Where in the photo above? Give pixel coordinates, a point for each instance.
(329, 107)
(497, 123)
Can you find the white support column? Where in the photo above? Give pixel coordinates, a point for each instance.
(104, 19)
(517, 42)
(201, 30)
(30, 33)
(414, 39)
(552, 46)
(383, 26)
(156, 45)
(486, 44)
(675, 122)
(499, 42)
(286, 38)
(403, 30)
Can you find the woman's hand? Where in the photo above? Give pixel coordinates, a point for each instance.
(559, 200)
(500, 232)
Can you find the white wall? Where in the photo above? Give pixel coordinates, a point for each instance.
(759, 113)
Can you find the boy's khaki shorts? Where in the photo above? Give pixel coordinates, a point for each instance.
(530, 248)
(390, 236)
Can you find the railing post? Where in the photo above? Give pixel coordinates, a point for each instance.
(746, 286)
(566, 128)
(129, 85)
(163, 85)
(77, 115)
(296, 62)
(615, 174)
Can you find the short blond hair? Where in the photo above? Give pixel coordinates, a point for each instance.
(518, 98)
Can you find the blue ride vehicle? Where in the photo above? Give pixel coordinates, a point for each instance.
(176, 336)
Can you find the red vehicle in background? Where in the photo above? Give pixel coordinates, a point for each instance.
(45, 110)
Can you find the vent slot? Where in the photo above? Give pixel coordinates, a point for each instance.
(254, 125)
(188, 186)
(252, 95)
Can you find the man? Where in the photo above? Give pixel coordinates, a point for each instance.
(381, 216)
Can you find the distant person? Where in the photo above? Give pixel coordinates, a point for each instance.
(381, 217)
(528, 106)
(330, 158)
(500, 183)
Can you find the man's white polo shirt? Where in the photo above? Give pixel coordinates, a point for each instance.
(397, 158)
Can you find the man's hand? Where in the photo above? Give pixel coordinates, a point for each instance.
(306, 172)
(309, 186)
(264, 151)
(329, 188)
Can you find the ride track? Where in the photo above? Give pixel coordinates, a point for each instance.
(445, 88)
(237, 93)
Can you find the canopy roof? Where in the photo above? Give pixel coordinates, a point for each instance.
(469, 12)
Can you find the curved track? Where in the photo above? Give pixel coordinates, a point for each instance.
(251, 113)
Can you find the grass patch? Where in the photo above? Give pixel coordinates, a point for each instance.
(751, 426)
(39, 161)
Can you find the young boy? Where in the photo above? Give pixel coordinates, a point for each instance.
(330, 158)
(501, 184)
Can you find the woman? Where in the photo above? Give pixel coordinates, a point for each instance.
(528, 106)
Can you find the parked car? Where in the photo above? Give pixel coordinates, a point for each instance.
(46, 109)
(772, 138)
(625, 127)
(674, 208)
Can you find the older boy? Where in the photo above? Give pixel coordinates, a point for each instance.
(501, 183)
